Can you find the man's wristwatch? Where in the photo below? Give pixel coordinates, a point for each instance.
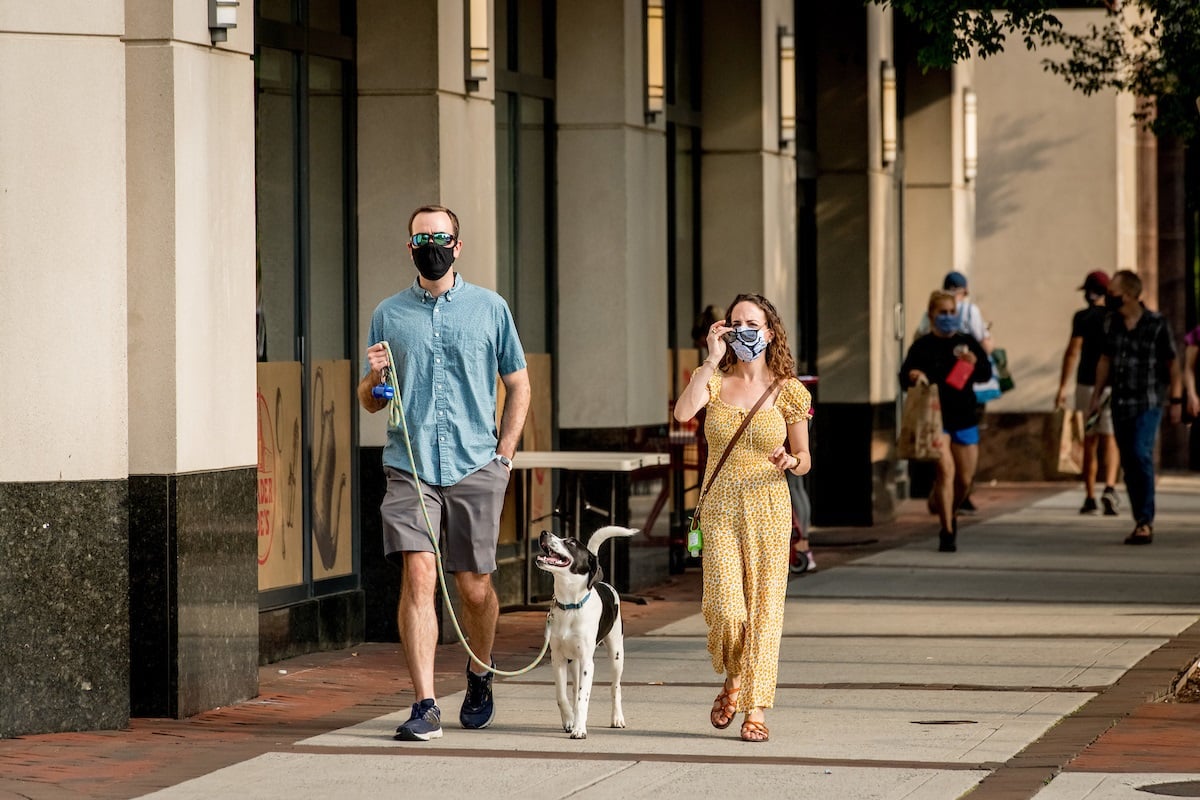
(1176, 401)
(505, 460)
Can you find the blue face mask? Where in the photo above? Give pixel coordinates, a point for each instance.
(946, 323)
(748, 343)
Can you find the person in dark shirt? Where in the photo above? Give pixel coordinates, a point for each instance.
(1138, 361)
(932, 358)
(1087, 338)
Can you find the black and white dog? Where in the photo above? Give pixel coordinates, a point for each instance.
(586, 612)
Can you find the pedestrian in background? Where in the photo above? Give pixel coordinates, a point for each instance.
(1138, 361)
(972, 322)
(1191, 344)
(449, 339)
(1081, 356)
(747, 511)
(970, 318)
(933, 358)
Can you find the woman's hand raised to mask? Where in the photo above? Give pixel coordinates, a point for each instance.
(716, 344)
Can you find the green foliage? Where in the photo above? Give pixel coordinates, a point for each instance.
(1150, 48)
(1153, 54)
(958, 29)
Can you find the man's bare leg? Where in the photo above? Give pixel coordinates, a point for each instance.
(481, 610)
(416, 618)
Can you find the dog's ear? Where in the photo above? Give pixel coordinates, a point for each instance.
(595, 571)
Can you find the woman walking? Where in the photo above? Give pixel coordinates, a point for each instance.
(754, 403)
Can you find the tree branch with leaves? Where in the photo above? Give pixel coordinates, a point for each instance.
(1150, 48)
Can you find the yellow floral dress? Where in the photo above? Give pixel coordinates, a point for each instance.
(746, 517)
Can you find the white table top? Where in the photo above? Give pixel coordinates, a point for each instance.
(591, 461)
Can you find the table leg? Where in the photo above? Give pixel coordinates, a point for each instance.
(612, 518)
(526, 502)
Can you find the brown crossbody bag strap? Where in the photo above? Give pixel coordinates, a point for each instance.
(729, 447)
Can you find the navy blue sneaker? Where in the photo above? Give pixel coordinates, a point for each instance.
(424, 724)
(478, 708)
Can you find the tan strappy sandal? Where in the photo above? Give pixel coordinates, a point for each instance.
(724, 707)
(755, 731)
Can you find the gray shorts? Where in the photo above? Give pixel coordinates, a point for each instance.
(466, 515)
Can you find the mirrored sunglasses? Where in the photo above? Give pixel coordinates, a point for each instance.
(440, 239)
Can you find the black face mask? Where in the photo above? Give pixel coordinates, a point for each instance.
(1113, 302)
(433, 261)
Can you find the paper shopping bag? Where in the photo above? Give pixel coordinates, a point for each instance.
(921, 424)
(1064, 451)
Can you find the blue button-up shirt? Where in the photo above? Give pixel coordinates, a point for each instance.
(448, 351)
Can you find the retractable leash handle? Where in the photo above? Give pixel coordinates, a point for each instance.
(397, 420)
(384, 390)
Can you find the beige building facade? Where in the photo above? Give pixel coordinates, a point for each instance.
(196, 222)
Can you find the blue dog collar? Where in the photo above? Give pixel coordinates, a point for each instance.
(572, 606)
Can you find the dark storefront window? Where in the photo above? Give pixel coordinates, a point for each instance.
(525, 166)
(304, 75)
(683, 172)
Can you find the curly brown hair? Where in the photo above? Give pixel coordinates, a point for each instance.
(779, 355)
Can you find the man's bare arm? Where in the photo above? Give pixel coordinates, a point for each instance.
(516, 407)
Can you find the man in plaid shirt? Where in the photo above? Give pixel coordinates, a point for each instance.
(1138, 360)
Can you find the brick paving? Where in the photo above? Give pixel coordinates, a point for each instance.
(312, 694)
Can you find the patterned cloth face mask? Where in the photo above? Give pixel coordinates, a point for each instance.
(747, 343)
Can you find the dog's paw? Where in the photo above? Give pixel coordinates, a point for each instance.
(579, 733)
(618, 721)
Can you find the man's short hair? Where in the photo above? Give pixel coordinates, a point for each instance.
(433, 209)
(1129, 281)
(954, 280)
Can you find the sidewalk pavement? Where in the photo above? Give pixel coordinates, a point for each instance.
(1031, 663)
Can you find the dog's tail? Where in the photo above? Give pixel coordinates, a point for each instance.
(604, 534)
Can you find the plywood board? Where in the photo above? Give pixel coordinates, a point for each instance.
(332, 528)
(280, 483)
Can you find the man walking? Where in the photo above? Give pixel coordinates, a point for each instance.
(449, 339)
(1087, 338)
(1138, 361)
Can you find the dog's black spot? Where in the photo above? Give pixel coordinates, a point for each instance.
(609, 609)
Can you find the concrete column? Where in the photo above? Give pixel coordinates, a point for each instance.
(1169, 290)
(422, 138)
(1059, 194)
(191, 228)
(857, 271)
(612, 276)
(63, 416)
(748, 180)
(939, 203)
